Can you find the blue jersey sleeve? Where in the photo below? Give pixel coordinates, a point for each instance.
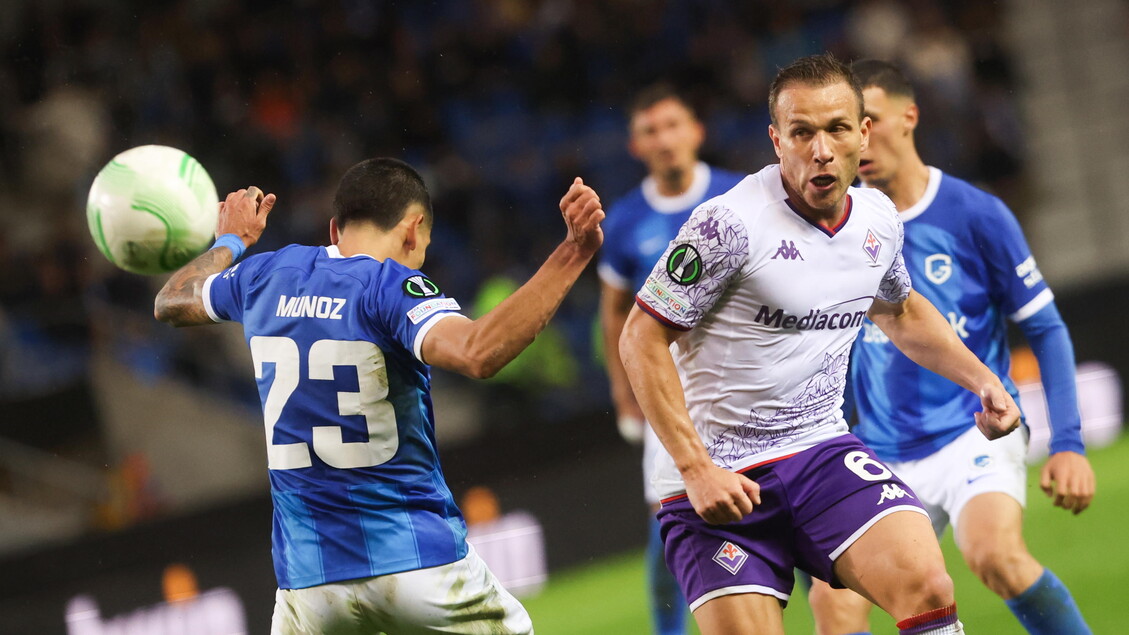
(1016, 285)
(223, 293)
(1050, 341)
(616, 266)
(406, 304)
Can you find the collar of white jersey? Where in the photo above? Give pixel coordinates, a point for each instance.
(682, 202)
(333, 252)
(915, 210)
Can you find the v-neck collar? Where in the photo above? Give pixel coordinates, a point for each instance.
(830, 232)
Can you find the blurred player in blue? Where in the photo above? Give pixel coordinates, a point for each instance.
(966, 253)
(665, 134)
(367, 537)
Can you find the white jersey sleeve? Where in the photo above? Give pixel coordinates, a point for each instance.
(896, 284)
(697, 267)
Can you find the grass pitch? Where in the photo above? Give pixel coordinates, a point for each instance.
(1088, 552)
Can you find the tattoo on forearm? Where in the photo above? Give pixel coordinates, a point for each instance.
(180, 303)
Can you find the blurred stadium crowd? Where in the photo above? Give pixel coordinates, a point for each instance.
(498, 102)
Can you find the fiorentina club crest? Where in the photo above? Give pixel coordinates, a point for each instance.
(872, 246)
(730, 556)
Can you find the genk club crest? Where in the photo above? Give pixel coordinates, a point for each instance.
(731, 557)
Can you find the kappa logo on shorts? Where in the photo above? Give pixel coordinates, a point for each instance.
(731, 557)
(892, 491)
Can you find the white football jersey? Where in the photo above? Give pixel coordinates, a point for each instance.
(771, 303)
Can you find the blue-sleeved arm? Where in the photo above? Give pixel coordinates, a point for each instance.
(1050, 341)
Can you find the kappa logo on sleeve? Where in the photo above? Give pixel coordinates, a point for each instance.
(419, 286)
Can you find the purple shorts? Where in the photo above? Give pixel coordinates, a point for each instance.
(814, 504)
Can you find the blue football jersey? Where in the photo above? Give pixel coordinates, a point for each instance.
(966, 253)
(642, 223)
(350, 431)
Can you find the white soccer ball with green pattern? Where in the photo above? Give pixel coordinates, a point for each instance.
(152, 209)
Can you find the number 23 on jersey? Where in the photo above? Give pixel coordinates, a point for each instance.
(368, 401)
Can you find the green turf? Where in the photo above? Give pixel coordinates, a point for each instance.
(1086, 552)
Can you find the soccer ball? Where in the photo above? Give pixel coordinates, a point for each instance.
(152, 209)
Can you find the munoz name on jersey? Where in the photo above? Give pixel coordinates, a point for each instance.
(310, 306)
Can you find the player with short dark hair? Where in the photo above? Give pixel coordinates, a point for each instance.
(367, 537)
(665, 134)
(967, 254)
(737, 352)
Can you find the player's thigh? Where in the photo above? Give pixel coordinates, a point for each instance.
(742, 613)
(991, 525)
(897, 564)
(837, 611)
(996, 469)
(325, 608)
(461, 597)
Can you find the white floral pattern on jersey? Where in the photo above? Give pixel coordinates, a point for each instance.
(896, 284)
(722, 243)
(762, 433)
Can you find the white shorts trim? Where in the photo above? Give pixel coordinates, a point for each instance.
(736, 590)
(834, 555)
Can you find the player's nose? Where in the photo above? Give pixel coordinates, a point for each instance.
(821, 148)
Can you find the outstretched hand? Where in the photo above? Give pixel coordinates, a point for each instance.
(244, 213)
(583, 213)
(1000, 415)
(1068, 478)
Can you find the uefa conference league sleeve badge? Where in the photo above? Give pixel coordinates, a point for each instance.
(419, 287)
(684, 265)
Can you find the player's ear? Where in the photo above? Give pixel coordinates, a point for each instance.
(334, 231)
(413, 222)
(864, 128)
(911, 117)
(775, 136)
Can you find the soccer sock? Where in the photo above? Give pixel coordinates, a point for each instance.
(1047, 607)
(941, 621)
(668, 608)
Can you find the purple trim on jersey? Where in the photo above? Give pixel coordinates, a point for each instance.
(814, 505)
(658, 316)
(832, 231)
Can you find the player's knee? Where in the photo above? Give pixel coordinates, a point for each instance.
(934, 590)
(1002, 569)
